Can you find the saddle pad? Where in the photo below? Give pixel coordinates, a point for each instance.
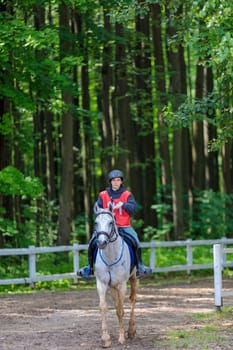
(133, 259)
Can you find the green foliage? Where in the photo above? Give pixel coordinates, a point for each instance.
(21, 232)
(32, 79)
(8, 227)
(13, 182)
(78, 233)
(193, 110)
(170, 256)
(163, 228)
(54, 263)
(215, 216)
(6, 125)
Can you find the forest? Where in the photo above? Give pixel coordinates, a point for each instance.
(87, 86)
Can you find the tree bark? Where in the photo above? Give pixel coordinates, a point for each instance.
(212, 157)
(145, 148)
(107, 125)
(178, 90)
(65, 201)
(227, 167)
(166, 176)
(198, 139)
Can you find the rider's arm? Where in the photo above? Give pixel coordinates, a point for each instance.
(130, 205)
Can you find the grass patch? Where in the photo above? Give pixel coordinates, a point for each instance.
(208, 335)
(225, 313)
(205, 338)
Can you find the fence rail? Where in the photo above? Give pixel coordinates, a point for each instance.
(34, 277)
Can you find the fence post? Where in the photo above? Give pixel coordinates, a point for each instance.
(32, 265)
(217, 276)
(189, 255)
(75, 260)
(152, 255)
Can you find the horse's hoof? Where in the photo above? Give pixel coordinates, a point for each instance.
(106, 343)
(121, 340)
(131, 334)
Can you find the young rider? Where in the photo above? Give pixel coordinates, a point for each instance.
(124, 206)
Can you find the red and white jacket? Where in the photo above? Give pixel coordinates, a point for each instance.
(121, 215)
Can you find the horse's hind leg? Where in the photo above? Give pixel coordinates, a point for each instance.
(119, 297)
(132, 300)
(106, 339)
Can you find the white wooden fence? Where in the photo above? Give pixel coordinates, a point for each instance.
(220, 252)
(34, 277)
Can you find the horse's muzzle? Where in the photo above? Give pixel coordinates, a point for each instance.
(101, 244)
(102, 241)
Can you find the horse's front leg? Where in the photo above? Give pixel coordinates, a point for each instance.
(132, 299)
(119, 297)
(102, 289)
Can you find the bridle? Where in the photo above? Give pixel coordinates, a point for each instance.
(112, 236)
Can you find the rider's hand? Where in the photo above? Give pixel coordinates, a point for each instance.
(118, 205)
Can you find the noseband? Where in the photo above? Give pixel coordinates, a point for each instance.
(110, 235)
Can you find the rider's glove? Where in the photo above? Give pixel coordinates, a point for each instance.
(118, 205)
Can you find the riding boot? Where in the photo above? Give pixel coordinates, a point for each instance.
(88, 270)
(142, 270)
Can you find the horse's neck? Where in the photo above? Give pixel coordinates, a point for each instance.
(113, 250)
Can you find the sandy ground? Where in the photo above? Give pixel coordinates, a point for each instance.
(71, 320)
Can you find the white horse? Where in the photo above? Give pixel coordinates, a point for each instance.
(112, 272)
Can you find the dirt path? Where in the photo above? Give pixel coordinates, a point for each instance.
(71, 320)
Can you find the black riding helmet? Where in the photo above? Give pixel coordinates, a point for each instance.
(115, 173)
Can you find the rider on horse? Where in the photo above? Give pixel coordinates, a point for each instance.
(124, 205)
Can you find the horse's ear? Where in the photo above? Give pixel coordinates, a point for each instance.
(96, 208)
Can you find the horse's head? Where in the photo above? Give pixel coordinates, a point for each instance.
(105, 227)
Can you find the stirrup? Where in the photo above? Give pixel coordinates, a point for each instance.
(143, 271)
(86, 272)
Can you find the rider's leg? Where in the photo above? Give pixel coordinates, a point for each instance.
(88, 270)
(132, 236)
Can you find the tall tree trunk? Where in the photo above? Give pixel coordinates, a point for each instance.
(212, 157)
(65, 202)
(5, 160)
(166, 177)
(39, 119)
(50, 152)
(107, 125)
(79, 209)
(198, 138)
(121, 107)
(87, 139)
(199, 164)
(145, 120)
(186, 155)
(227, 167)
(178, 87)
(6, 202)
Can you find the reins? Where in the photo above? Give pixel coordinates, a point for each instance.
(110, 239)
(115, 262)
